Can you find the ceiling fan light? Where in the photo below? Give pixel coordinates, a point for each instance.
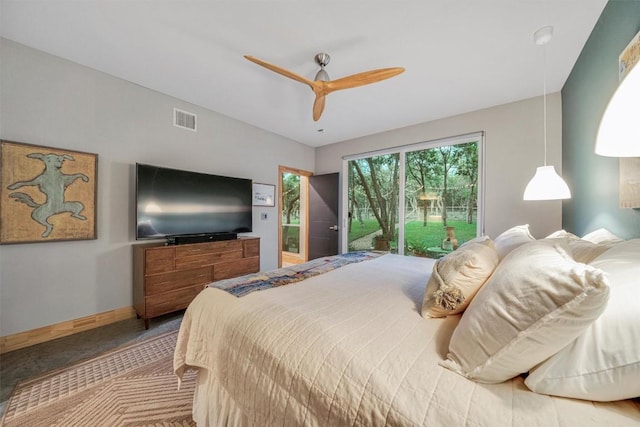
(546, 184)
(619, 131)
(322, 76)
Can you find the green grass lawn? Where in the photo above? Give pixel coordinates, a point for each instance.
(362, 229)
(417, 237)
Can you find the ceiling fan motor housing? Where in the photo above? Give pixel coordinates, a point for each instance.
(322, 59)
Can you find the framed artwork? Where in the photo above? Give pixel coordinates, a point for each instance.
(264, 194)
(630, 182)
(629, 166)
(46, 194)
(629, 57)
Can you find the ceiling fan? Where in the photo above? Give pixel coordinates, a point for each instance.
(322, 85)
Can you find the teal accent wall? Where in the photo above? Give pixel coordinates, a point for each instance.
(593, 179)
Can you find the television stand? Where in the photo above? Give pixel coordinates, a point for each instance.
(186, 239)
(167, 278)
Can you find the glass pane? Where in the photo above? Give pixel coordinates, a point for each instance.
(291, 238)
(441, 194)
(373, 203)
(290, 212)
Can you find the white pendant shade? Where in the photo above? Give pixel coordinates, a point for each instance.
(619, 132)
(546, 184)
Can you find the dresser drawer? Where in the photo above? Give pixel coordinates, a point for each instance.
(208, 248)
(237, 268)
(165, 282)
(159, 260)
(207, 259)
(251, 248)
(171, 301)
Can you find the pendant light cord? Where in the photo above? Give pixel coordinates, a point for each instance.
(544, 98)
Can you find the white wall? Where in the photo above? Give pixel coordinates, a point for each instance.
(513, 151)
(49, 101)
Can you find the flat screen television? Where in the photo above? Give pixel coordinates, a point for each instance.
(172, 202)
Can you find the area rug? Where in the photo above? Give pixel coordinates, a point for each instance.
(130, 386)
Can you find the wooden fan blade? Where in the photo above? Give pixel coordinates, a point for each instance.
(281, 71)
(362, 79)
(318, 107)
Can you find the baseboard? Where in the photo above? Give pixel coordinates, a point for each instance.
(63, 329)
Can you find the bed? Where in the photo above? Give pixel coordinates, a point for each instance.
(348, 341)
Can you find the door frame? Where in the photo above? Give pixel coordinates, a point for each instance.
(304, 208)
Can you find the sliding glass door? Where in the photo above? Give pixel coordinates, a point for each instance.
(423, 199)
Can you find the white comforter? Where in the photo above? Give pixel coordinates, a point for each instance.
(349, 348)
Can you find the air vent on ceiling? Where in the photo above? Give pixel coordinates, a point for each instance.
(184, 119)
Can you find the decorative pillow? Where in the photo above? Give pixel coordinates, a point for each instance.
(511, 239)
(603, 363)
(602, 235)
(537, 301)
(457, 277)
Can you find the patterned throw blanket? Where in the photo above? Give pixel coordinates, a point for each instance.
(243, 285)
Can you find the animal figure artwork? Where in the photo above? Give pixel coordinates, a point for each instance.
(53, 183)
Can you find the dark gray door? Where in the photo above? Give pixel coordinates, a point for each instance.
(323, 215)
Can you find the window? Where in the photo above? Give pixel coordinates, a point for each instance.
(423, 199)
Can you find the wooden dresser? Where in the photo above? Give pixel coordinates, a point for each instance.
(167, 278)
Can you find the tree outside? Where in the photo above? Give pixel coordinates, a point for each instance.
(290, 212)
(375, 189)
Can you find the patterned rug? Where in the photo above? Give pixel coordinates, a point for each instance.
(130, 386)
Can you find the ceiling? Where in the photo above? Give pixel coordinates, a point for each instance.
(459, 55)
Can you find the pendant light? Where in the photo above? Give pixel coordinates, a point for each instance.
(546, 184)
(619, 131)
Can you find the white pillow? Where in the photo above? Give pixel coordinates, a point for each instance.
(561, 234)
(537, 301)
(582, 250)
(511, 239)
(457, 276)
(603, 363)
(602, 235)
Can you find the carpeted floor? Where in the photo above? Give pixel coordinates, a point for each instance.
(24, 364)
(132, 385)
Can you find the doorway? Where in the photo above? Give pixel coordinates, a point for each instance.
(293, 220)
(308, 219)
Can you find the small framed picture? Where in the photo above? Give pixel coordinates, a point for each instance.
(264, 194)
